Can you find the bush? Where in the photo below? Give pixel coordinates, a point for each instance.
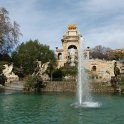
(2, 79)
(57, 75)
(122, 80)
(29, 83)
(60, 73)
(19, 72)
(33, 83)
(69, 71)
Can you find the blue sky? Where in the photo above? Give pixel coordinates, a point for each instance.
(101, 22)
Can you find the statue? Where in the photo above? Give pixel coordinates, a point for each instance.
(9, 74)
(116, 70)
(72, 57)
(44, 67)
(41, 69)
(8, 69)
(116, 79)
(72, 27)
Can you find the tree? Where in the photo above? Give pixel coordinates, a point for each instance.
(57, 75)
(100, 52)
(5, 57)
(116, 55)
(9, 32)
(51, 68)
(27, 53)
(69, 71)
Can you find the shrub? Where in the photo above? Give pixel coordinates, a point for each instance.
(57, 75)
(33, 83)
(29, 83)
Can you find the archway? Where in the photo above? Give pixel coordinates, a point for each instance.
(59, 56)
(94, 68)
(72, 47)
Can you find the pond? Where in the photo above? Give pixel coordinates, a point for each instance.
(55, 108)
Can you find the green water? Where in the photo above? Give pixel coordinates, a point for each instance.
(54, 108)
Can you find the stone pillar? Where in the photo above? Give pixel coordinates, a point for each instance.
(88, 53)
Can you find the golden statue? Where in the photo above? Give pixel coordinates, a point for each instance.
(72, 27)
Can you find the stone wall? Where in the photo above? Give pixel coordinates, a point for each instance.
(60, 86)
(104, 69)
(64, 86)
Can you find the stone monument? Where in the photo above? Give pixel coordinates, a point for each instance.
(41, 70)
(9, 74)
(70, 45)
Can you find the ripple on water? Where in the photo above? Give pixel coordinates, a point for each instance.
(87, 104)
(55, 109)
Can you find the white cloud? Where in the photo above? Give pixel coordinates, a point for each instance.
(101, 21)
(105, 22)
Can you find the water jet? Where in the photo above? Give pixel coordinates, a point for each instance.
(84, 98)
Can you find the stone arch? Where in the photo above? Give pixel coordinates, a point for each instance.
(72, 46)
(93, 68)
(59, 56)
(72, 49)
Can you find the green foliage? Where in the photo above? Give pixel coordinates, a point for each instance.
(19, 72)
(51, 70)
(33, 83)
(1, 65)
(69, 71)
(57, 75)
(2, 79)
(5, 57)
(122, 80)
(30, 82)
(27, 53)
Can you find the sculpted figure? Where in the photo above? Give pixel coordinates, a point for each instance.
(72, 54)
(116, 70)
(41, 69)
(9, 74)
(8, 69)
(116, 79)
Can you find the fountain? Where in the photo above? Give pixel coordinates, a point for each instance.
(84, 98)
